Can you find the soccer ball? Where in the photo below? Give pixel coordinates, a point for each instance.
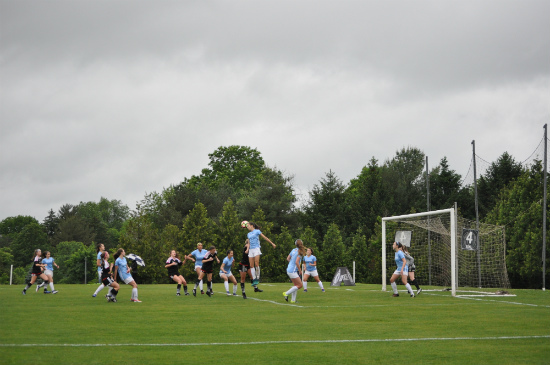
(244, 224)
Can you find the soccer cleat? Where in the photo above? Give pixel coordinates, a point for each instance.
(38, 288)
(194, 292)
(208, 293)
(396, 295)
(202, 291)
(24, 292)
(258, 290)
(235, 295)
(54, 292)
(108, 298)
(186, 293)
(305, 290)
(178, 294)
(419, 291)
(323, 290)
(113, 300)
(135, 300)
(94, 295)
(286, 296)
(412, 295)
(228, 293)
(293, 301)
(244, 295)
(47, 292)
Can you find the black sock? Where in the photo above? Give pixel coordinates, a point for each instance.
(209, 286)
(242, 287)
(185, 288)
(179, 287)
(28, 286)
(415, 284)
(115, 292)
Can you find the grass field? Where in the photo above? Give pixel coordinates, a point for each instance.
(345, 325)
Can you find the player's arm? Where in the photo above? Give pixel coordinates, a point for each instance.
(190, 257)
(268, 240)
(115, 274)
(288, 258)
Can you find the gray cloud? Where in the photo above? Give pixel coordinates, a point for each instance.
(115, 99)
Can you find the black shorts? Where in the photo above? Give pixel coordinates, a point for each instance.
(207, 271)
(107, 281)
(412, 268)
(243, 268)
(172, 276)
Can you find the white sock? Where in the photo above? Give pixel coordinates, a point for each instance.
(134, 293)
(294, 296)
(41, 285)
(51, 286)
(394, 287)
(200, 285)
(410, 290)
(234, 288)
(320, 284)
(291, 290)
(99, 288)
(226, 284)
(253, 272)
(305, 285)
(258, 272)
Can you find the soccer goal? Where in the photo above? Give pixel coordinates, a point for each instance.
(448, 250)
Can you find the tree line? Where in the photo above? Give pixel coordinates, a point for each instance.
(340, 221)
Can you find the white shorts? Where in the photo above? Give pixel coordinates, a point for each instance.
(293, 275)
(128, 280)
(198, 266)
(48, 272)
(253, 252)
(228, 275)
(398, 272)
(311, 273)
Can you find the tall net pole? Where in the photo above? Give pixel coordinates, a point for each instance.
(544, 211)
(429, 240)
(477, 212)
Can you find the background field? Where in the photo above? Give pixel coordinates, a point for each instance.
(345, 325)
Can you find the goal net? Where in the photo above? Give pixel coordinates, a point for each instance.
(448, 250)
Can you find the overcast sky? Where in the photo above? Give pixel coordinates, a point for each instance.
(118, 98)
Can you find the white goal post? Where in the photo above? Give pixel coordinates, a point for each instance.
(452, 214)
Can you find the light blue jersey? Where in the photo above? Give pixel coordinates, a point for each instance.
(99, 258)
(294, 254)
(122, 265)
(49, 263)
(227, 263)
(310, 260)
(198, 255)
(399, 257)
(254, 238)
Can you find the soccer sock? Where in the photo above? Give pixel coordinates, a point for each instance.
(394, 287)
(234, 288)
(99, 288)
(51, 286)
(415, 283)
(242, 287)
(28, 286)
(291, 290)
(200, 284)
(409, 289)
(45, 285)
(226, 284)
(257, 272)
(209, 286)
(134, 293)
(178, 289)
(185, 289)
(253, 273)
(305, 285)
(114, 292)
(40, 285)
(294, 296)
(320, 284)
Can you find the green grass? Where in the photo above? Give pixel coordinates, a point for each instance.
(369, 325)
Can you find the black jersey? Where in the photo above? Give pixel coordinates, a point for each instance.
(245, 260)
(173, 270)
(105, 269)
(35, 268)
(208, 266)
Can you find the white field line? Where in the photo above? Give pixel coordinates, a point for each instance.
(496, 301)
(274, 342)
(272, 302)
